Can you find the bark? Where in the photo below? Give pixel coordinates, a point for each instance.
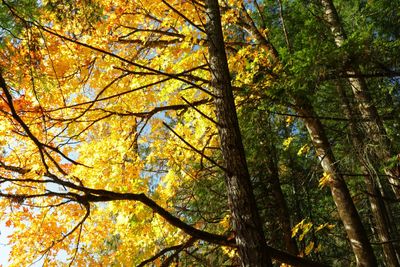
(246, 220)
(267, 172)
(281, 207)
(379, 152)
(284, 217)
(378, 208)
(371, 121)
(347, 211)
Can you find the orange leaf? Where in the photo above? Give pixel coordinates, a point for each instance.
(8, 223)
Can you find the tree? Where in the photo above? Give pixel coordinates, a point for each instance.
(121, 142)
(247, 224)
(48, 166)
(376, 133)
(341, 195)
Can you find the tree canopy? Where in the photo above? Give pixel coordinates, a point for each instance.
(200, 133)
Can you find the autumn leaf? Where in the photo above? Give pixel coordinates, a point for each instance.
(309, 248)
(324, 180)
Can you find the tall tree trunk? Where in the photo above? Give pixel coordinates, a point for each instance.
(246, 220)
(347, 211)
(371, 121)
(283, 217)
(378, 208)
(281, 205)
(267, 171)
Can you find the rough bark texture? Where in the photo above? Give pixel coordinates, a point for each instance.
(281, 207)
(284, 218)
(347, 211)
(247, 223)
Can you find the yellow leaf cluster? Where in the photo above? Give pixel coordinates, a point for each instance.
(302, 230)
(101, 109)
(325, 179)
(286, 143)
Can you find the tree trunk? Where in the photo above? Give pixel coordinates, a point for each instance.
(347, 211)
(378, 208)
(281, 206)
(371, 121)
(246, 220)
(267, 171)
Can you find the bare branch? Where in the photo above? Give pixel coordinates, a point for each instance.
(166, 250)
(195, 149)
(183, 16)
(192, 105)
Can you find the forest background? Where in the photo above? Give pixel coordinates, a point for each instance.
(200, 133)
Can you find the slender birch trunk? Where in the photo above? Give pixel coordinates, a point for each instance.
(341, 196)
(347, 211)
(371, 121)
(378, 208)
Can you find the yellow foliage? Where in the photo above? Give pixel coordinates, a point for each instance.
(94, 94)
(309, 248)
(289, 120)
(230, 252)
(302, 230)
(286, 143)
(325, 179)
(303, 150)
